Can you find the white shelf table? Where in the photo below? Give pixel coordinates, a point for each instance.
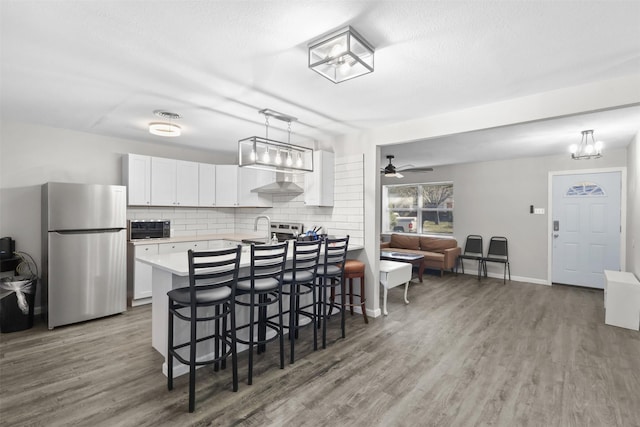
(392, 274)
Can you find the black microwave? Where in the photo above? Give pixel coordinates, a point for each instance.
(149, 229)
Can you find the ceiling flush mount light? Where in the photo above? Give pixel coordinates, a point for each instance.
(264, 153)
(341, 55)
(167, 129)
(589, 148)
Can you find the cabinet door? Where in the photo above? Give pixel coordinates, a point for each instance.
(249, 179)
(186, 183)
(142, 283)
(163, 181)
(137, 178)
(319, 184)
(206, 184)
(226, 185)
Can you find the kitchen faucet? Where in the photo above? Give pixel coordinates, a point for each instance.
(255, 226)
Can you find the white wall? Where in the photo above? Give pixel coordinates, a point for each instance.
(345, 217)
(572, 100)
(31, 155)
(493, 199)
(633, 212)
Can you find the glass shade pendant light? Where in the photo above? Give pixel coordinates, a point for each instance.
(256, 152)
(588, 148)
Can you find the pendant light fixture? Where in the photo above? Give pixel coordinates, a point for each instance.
(265, 153)
(589, 148)
(341, 55)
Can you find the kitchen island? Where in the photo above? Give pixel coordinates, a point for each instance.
(170, 271)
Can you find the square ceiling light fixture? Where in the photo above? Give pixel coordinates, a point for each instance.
(341, 55)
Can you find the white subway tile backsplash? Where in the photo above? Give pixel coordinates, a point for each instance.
(346, 216)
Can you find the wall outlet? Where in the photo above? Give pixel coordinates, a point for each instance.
(538, 211)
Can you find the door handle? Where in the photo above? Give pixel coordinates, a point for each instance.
(555, 236)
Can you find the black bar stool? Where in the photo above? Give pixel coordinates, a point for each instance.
(330, 276)
(300, 280)
(213, 276)
(264, 289)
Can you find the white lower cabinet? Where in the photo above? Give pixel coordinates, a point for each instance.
(139, 282)
(139, 275)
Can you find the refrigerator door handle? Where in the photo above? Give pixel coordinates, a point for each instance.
(94, 231)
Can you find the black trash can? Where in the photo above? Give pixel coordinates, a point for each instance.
(17, 297)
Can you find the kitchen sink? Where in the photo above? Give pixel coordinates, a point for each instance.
(255, 241)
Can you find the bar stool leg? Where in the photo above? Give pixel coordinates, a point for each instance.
(351, 295)
(363, 300)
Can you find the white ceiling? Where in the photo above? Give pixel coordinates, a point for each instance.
(104, 66)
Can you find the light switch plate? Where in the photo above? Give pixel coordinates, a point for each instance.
(538, 211)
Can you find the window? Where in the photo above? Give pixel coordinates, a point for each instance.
(585, 189)
(418, 208)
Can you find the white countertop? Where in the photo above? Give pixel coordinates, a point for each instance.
(236, 237)
(178, 264)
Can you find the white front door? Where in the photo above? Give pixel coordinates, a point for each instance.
(586, 227)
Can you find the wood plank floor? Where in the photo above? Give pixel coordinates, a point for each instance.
(460, 354)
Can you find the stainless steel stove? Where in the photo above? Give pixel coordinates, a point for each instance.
(286, 230)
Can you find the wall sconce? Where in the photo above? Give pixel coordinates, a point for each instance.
(341, 55)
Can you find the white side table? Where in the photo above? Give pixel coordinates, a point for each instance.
(392, 274)
(622, 300)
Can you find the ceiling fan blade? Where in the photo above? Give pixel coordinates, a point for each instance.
(390, 170)
(418, 169)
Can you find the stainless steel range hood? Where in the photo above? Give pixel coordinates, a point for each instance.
(283, 184)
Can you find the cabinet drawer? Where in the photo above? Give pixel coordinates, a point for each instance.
(146, 249)
(166, 248)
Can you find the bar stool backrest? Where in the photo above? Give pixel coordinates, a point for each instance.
(305, 257)
(268, 261)
(213, 269)
(335, 253)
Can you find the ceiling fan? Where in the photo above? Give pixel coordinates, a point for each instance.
(391, 171)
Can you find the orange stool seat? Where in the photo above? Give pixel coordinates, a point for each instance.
(354, 269)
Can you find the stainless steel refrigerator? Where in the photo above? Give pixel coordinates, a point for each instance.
(84, 273)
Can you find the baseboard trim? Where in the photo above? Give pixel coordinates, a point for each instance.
(514, 278)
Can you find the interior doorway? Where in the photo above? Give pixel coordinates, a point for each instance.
(587, 211)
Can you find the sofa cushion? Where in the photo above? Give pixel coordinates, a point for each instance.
(434, 244)
(405, 242)
(433, 257)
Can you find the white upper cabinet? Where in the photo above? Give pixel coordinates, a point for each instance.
(187, 178)
(174, 182)
(249, 179)
(136, 170)
(157, 181)
(234, 185)
(163, 181)
(226, 185)
(207, 185)
(319, 184)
